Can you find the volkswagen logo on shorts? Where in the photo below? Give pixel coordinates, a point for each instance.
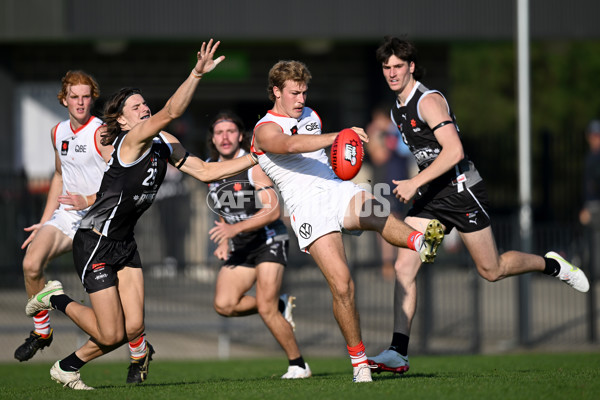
(305, 230)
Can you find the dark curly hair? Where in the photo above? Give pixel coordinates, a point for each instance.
(113, 109)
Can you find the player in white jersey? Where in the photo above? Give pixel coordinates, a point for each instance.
(80, 161)
(290, 149)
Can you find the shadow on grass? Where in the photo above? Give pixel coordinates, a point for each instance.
(387, 377)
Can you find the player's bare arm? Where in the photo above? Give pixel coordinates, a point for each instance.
(434, 110)
(56, 185)
(268, 213)
(105, 151)
(222, 250)
(203, 171)
(144, 127)
(270, 138)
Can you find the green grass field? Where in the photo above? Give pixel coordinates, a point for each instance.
(523, 376)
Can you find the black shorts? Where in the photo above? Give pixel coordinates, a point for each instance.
(98, 259)
(466, 211)
(251, 256)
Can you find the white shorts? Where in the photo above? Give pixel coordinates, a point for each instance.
(65, 221)
(323, 212)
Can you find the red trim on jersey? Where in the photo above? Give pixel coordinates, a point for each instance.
(82, 126)
(320, 122)
(252, 148)
(277, 115)
(96, 143)
(54, 135)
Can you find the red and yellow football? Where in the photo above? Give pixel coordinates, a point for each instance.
(346, 154)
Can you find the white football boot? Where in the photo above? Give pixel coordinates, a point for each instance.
(41, 300)
(389, 361)
(362, 373)
(68, 379)
(570, 274)
(296, 372)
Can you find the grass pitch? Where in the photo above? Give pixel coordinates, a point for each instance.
(522, 376)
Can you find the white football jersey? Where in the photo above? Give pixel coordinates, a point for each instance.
(297, 176)
(81, 162)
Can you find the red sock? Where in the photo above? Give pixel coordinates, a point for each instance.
(138, 348)
(414, 241)
(357, 354)
(41, 322)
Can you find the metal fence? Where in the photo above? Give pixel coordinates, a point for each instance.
(458, 311)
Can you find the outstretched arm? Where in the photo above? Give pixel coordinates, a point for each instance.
(139, 139)
(203, 171)
(269, 137)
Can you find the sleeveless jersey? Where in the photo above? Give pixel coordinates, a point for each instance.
(235, 199)
(81, 163)
(423, 144)
(296, 175)
(127, 190)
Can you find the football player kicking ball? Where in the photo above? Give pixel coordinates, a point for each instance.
(290, 149)
(449, 188)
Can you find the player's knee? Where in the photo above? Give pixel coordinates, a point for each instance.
(266, 308)
(223, 308)
(32, 269)
(110, 339)
(343, 291)
(490, 273)
(406, 269)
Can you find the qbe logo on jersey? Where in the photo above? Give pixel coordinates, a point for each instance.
(350, 152)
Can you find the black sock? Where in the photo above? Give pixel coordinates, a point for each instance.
(299, 362)
(399, 343)
(552, 267)
(71, 363)
(281, 306)
(60, 301)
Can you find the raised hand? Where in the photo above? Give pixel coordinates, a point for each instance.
(206, 61)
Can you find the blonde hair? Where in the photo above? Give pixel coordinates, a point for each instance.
(284, 71)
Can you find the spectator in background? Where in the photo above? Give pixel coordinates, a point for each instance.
(390, 157)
